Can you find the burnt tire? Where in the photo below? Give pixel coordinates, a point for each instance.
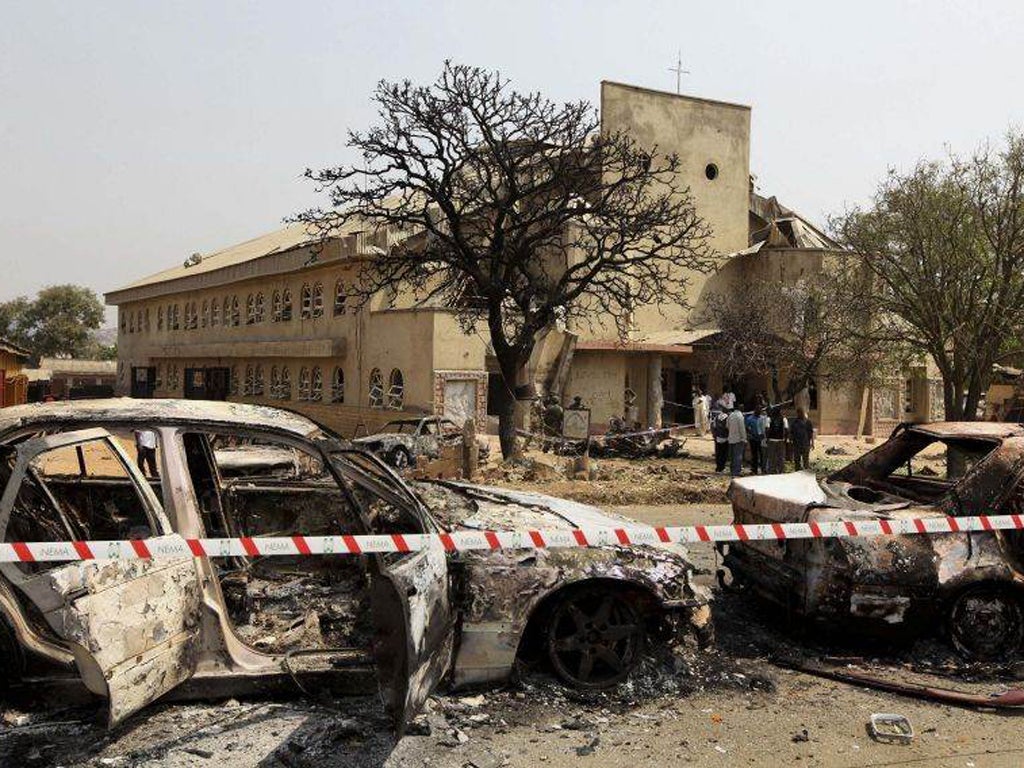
(399, 458)
(986, 623)
(595, 637)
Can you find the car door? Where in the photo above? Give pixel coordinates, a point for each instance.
(131, 624)
(410, 590)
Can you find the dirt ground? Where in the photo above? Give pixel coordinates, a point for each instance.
(728, 707)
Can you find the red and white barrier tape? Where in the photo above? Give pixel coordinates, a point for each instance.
(470, 540)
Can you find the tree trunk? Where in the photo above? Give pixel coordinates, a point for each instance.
(507, 427)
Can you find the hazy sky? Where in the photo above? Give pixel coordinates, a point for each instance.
(133, 134)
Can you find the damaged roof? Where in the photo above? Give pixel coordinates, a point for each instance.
(993, 430)
(13, 349)
(775, 226)
(123, 409)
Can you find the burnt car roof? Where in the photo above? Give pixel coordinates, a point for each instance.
(991, 430)
(125, 409)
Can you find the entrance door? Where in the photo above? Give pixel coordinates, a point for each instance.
(683, 411)
(218, 382)
(132, 625)
(460, 400)
(143, 381)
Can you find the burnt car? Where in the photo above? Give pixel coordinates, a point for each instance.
(135, 630)
(968, 585)
(403, 442)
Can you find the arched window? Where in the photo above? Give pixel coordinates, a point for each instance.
(131, 321)
(147, 319)
(304, 382)
(338, 385)
(205, 319)
(340, 298)
(257, 381)
(318, 300)
(259, 308)
(250, 309)
(176, 322)
(160, 317)
(286, 383)
(214, 313)
(247, 389)
(124, 320)
(317, 388)
(275, 382)
(396, 389)
(376, 389)
(160, 382)
(286, 304)
(234, 380)
(236, 315)
(306, 306)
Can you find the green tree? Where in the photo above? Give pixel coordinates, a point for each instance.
(59, 323)
(944, 245)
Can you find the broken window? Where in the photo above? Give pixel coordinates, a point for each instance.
(77, 492)
(266, 487)
(340, 298)
(304, 383)
(317, 387)
(376, 389)
(916, 466)
(338, 385)
(286, 383)
(396, 389)
(318, 300)
(286, 304)
(306, 302)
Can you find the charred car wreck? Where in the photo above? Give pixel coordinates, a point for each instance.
(968, 586)
(404, 442)
(133, 631)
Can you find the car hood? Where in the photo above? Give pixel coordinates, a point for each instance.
(502, 509)
(786, 498)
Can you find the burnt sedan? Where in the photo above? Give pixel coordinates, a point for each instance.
(404, 442)
(968, 586)
(136, 630)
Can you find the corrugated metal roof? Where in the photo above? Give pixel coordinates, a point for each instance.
(285, 239)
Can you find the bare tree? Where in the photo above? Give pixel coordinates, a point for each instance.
(518, 212)
(800, 331)
(944, 244)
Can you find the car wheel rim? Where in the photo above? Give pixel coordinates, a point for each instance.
(594, 639)
(986, 624)
(401, 460)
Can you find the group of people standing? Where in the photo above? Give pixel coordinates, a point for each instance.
(765, 431)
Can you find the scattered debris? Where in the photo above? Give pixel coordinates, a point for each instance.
(890, 728)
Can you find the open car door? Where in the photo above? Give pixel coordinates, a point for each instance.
(132, 625)
(409, 591)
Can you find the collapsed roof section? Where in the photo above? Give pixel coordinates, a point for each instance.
(773, 225)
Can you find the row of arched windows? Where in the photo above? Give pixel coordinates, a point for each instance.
(275, 382)
(228, 311)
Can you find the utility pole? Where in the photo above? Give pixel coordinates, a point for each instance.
(678, 69)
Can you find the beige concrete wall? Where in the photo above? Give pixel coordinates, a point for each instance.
(701, 132)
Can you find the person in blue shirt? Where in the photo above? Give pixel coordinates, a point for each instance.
(756, 424)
